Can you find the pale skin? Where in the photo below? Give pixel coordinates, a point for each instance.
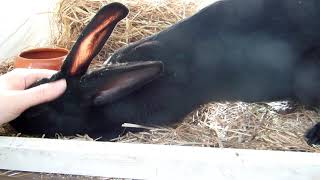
(15, 98)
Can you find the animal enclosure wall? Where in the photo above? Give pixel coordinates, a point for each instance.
(136, 161)
(25, 24)
(218, 124)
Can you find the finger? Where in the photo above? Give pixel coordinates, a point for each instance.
(20, 79)
(41, 94)
(37, 75)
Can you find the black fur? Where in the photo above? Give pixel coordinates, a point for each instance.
(234, 50)
(313, 135)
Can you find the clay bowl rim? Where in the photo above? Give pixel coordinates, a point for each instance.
(21, 55)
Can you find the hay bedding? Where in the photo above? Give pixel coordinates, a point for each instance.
(229, 125)
(145, 18)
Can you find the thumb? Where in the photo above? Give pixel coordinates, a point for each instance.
(42, 93)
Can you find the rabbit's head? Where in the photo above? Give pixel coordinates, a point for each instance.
(69, 114)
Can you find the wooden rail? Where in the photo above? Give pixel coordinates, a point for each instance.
(142, 161)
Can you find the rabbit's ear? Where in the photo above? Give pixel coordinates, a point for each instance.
(107, 85)
(92, 39)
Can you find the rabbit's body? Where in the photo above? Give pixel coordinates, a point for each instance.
(248, 50)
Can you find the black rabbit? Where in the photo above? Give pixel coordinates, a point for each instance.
(81, 108)
(248, 50)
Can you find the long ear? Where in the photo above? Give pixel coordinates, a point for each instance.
(107, 85)
(92, 39)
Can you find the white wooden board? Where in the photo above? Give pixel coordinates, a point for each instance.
(25, 24)
(140, 161)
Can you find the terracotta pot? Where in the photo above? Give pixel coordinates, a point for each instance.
(41, 58)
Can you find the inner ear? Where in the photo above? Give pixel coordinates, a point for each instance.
(92, 43)
(125, 83)
(92, 39)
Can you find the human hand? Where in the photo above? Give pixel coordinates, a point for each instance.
(15, 98)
